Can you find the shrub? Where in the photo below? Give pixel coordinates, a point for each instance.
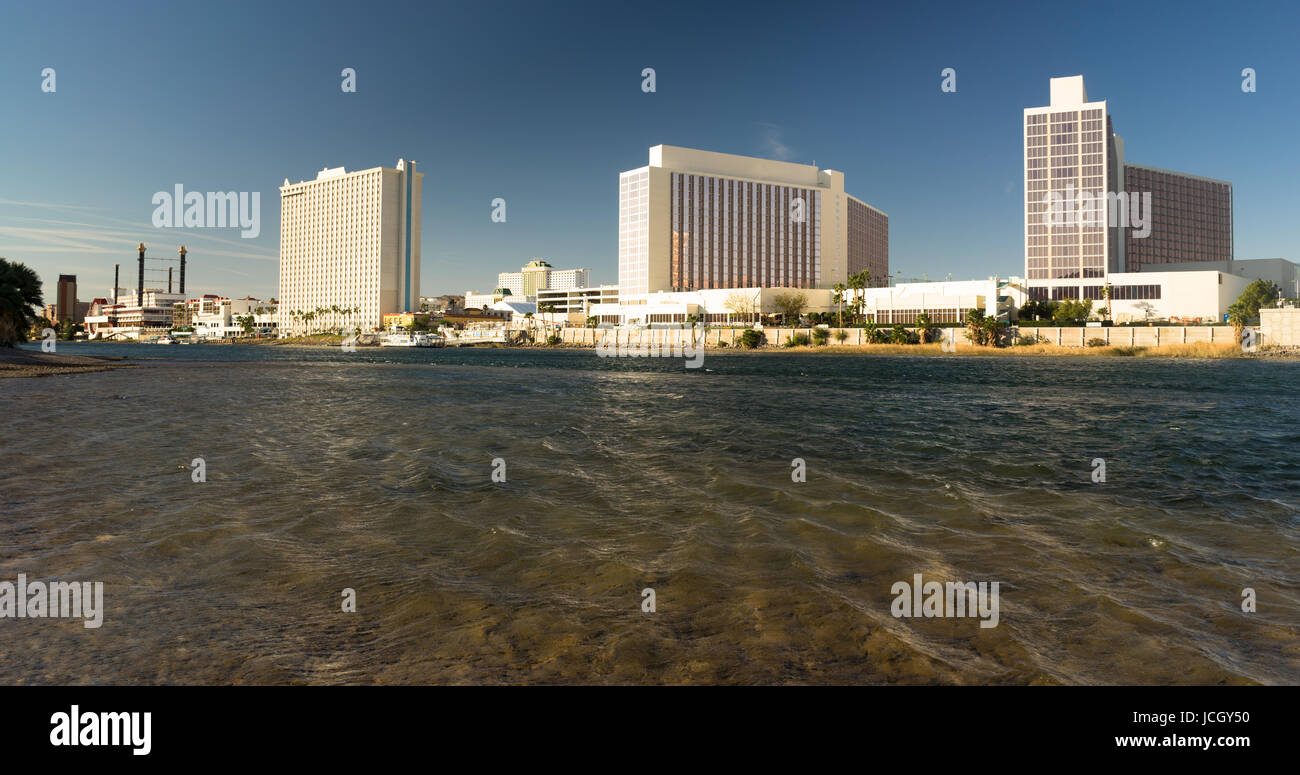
(821, 336)
(841, 335)
(553, 340)
(899, 335)
(1023, 340)
(797, 340)
(751, 338)
(722, 343)
(1096, 341)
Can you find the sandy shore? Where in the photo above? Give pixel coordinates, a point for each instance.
(24, 363)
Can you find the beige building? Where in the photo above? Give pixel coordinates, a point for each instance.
(349, 240)
(698, 220)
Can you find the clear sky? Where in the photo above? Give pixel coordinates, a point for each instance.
(540, 103)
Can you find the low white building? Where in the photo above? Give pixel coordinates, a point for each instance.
(220, 318)
(944, 302)
(1177, 296)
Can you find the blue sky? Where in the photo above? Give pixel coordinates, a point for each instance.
(540, 103)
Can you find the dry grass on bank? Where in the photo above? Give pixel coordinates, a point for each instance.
(1198, 350)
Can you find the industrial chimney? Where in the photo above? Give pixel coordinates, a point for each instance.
(139, 299)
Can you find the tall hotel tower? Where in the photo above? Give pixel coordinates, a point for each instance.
(693, 220)
(1071, 148)
(350, 240)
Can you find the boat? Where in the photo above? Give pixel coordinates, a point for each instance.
(164, 340)
(411, 339)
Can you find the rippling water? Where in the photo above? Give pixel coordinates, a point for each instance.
(372, 471)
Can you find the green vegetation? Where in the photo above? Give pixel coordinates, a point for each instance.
(553, 340)
(20, 298)
(820, 336)
(841, 336)
(1245, 309)
(859, 281)
(1097, 341)
(838, 298)
(899, 335)
(797, 340)
(1072, 310)
(751, 338)
(790, 305)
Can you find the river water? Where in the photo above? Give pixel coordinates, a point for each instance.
(373, 471)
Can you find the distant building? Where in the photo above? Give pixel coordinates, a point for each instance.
(539, 275)
(132, 317)
(66, 299)
(480, 300)
(352, 241)
(576, 301)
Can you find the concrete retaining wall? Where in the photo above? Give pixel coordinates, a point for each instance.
(1137, 336)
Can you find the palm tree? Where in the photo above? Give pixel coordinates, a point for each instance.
(975, 326)
(20, 297)
(1238, 316)
(923, 325)
(1105, 294)
(993, 331)
(859, 281)
(838, 298)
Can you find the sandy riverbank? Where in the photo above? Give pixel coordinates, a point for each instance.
(24, 363)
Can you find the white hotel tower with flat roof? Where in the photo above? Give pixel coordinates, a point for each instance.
(349, 240)
(696, 220)
(1071, 148)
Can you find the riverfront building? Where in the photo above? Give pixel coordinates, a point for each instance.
(1147, 223)
(944, 302)
(576, 301)
(133, 316)
(694, 220)
(1191, 219)
(350, 240)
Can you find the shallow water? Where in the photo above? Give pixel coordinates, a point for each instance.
(372, 471)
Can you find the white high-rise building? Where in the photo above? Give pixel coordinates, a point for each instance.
(1071, 151)
(694, 220)
(349, 240)
(539, 275)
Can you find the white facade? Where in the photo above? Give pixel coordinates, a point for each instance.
(540, 276)
(350, 241)
(1180, 296)
(219, 318)
(129, 319)
(578, 300)
(1070, 151)
(942, 301)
